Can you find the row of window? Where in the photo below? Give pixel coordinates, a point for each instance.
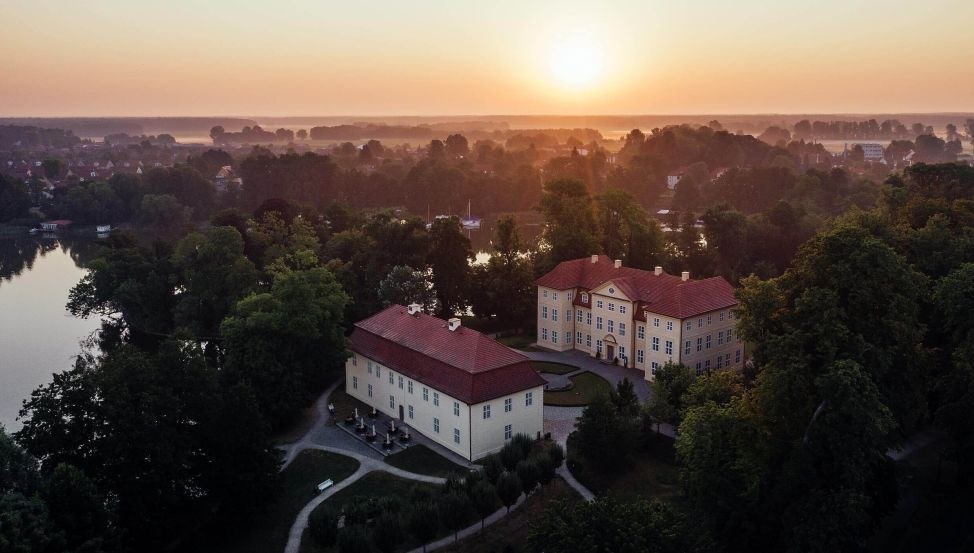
(704, 342)
(729, 315)
(720, 362)
(508, 402)
(554, 295)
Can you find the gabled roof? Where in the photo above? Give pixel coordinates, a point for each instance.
(462, 363)
(664, 294)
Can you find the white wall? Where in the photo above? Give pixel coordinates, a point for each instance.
(487, 436)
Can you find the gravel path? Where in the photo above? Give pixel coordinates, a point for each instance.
(369, 461)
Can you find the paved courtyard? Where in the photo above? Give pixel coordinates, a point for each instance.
(613, 373)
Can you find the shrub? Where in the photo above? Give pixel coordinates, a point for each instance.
(508, 489)
(493, 467)
(529, 474)
(523, 442)
(455, 511)
(323, 526)
(423, 522)
(511, 455)
(353, 539)
(557, 454)
(546, 467)
(388, 534)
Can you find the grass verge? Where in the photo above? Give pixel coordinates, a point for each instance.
(375, 485)
(552, 367)
(512, 530)
(519, 341)
(652, 472)
(270, 531)
(423, 460)
(585, 387)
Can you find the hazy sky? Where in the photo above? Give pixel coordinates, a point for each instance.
(424, 57)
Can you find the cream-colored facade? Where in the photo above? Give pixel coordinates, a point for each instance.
(470, 431)
(603, 323)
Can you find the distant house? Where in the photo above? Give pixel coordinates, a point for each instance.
(674, 178)
(872, 152)
(225, 177)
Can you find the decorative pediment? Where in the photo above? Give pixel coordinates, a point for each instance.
(611, 289)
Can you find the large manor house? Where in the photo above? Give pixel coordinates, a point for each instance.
(636, 318)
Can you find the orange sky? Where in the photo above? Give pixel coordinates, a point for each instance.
(422, 57)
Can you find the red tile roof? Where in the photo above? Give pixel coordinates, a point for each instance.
(664, 294)
(462, 363)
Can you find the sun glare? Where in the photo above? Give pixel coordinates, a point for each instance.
(575, 61)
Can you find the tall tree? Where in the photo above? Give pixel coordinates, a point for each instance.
(627, 231)
(159, 435)
(287, 342)
(215, 274)
(570, 230)
(449, 258)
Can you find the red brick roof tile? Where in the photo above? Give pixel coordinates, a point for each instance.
(462, 363)
(664, 294)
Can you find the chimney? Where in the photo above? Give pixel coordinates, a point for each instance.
(618, 263)
(414, 309)
(595, 259)
(453, 324)
(685, 276)
(658, 270)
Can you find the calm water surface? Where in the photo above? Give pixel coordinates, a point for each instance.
(38, 337)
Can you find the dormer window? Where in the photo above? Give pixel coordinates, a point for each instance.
(584, 297)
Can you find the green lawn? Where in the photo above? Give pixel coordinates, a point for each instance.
(373, 484)
(269, 532)
(513, 529)
(553, 368)
(653, 472)
(521, 341)
(585, 387)
(423, 460)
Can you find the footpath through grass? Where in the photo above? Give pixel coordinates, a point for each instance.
(269, 532)
(652, 472)
(372, 485)
(552, 367)
(512, 530)
(585, 387)
(423, 460)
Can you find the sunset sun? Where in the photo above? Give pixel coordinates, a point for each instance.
(575, 62)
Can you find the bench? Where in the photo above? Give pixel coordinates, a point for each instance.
(325, 485)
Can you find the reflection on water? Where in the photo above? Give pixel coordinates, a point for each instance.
(38, 337)
(528, 226)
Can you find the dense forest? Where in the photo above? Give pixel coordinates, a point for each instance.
(220, 329)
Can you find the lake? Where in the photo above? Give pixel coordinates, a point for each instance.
(38, 337)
